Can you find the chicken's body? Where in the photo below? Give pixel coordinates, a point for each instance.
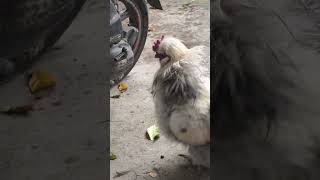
(181, 90)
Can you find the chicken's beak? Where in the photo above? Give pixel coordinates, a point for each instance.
(162, 58)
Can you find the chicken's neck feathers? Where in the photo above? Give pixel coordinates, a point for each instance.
(174, 48)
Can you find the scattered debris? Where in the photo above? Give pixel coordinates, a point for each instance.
(41, 80)
(161, 157)
(106, 121)
(186, 157)
(35, 146)
(57, 103)
(123, 87)
(38, 97)
(153, 133)
(87, 92)
(71, 159)
(153, 174)
(116, 96)
(188, 5)
(17, 110)
(122, 173)
(151, 28)
(113, 156)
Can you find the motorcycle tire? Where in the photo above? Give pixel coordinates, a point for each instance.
(143, 22)
(29, 28)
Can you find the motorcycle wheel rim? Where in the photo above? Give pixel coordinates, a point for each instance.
(134, 15)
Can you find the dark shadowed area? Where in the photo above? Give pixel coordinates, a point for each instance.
(64, 137)
(267, 95)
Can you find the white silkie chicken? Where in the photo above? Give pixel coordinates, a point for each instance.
(181, 90)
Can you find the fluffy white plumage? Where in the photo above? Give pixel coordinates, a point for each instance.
(181, 90)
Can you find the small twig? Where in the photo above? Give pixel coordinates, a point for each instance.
(187, 158)
(116, 96)
(106, 121)
(122, 173)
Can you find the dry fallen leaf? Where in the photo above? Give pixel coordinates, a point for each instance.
(122, 87)
(116, 96)
(119, 174)
(17, 110)
(152, 174)
(151, 28)
(41, 80)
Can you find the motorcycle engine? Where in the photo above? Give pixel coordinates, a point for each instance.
(121, 42)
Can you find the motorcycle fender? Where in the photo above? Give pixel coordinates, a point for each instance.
(155, 3)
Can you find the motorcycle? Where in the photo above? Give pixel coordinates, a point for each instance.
(129, 29)
(29, 28)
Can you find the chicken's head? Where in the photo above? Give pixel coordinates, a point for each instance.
(169, 49)
(160, 52)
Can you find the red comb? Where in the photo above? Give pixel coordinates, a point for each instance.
(156, 44)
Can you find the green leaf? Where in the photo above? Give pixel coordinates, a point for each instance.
(113, 156)
(153, 133)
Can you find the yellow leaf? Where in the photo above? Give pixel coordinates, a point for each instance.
(41, 80)
(122, 87)
(113, 156)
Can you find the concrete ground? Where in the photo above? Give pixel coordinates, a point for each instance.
(133, 112)
(64, 137)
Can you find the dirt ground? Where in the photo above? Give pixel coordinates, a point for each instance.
(133, 112)
(63, 138)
